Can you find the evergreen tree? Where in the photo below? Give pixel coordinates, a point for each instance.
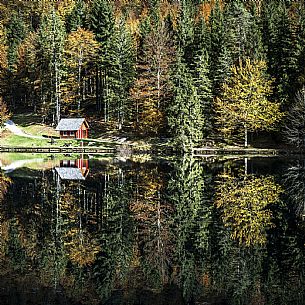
(102, 23)
(76, 19)
(185, 117)
(242, 33)
(15, 34)
(219, 52)
(185, 30)
(282, 52)
(120, 75)
(204, 89)
(51, 38)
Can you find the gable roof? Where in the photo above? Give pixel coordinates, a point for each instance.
(70, 124)
(70, 173)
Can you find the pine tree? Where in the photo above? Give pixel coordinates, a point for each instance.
(51, 38)
(185, 30)
(101, 20)
(102, 23)
(15, 34)
(243, 34)
(185, 117)
(76, 19)
(204, 89)
(120, 75)
(219, 52)
(282, 52)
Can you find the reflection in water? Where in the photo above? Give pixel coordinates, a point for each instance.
(294, 180)
(157, 233)
(73, 169)
(245, 202)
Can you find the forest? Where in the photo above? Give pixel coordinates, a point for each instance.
(191, 71)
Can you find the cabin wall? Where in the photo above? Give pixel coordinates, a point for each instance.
(82, 133)
(67, 134)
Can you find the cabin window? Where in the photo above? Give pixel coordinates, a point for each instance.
(65, 133)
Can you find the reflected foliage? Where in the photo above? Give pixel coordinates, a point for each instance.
(245, 202)
(181, 232)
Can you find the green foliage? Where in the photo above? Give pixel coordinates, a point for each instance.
(101, 21)
(51, 37)
(185, 117)
(15, 34)
(125, 81)
(120, 61)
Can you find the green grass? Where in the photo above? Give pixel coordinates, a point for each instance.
(12, 140)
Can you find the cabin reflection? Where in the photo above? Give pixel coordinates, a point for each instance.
(73, 169)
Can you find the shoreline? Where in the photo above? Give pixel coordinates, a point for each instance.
(196, 152)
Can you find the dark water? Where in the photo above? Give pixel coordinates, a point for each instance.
(181, 232)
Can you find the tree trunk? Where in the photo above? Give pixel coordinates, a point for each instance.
(246, 136)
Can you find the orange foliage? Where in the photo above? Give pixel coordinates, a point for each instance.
(3, 57)
(205, 9)
(171, 10)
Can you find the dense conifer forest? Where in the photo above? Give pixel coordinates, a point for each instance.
(189, 70)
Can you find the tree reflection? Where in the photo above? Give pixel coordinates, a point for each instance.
(245, 204)
(188, 226)
(294, 181)
(4, 184)
(188, 190)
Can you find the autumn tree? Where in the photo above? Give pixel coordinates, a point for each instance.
(151, 91)
(3, 59)
(245, 204)
(80, 54)
(4, 114)
(244, 101)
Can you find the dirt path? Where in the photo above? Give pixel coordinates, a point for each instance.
(12, 127)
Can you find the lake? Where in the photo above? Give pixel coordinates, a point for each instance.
(111, 231)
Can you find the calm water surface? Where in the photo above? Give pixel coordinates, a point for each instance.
(78, 231)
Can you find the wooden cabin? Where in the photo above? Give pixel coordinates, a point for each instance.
(77, 128)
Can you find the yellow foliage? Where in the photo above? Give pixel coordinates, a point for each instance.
(82, 249)
(244, 102)
(244, 204)
(3, 58)
(65, 7)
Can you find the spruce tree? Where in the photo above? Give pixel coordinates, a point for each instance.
(76, 19)
(219, 52)
(51, 38)
(101, 20)
(204, 89)
(102, 23)
(120, 75)
(15, 34)
(185, 30)
(282, 52)
(185, 117)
